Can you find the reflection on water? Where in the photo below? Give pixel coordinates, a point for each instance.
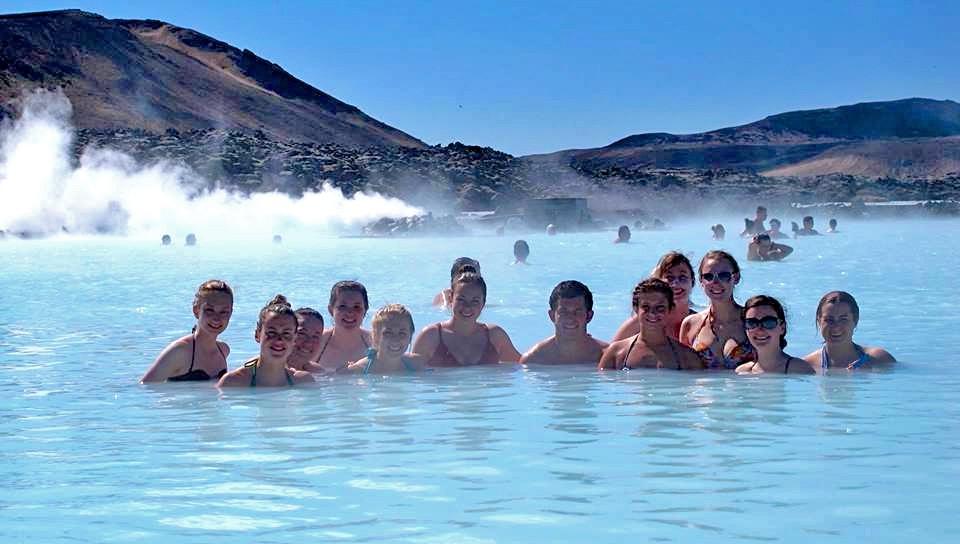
(465, 455)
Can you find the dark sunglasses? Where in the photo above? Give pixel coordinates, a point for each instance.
(770, 322)
(725, 277)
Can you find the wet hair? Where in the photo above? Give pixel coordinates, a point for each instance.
(165, 239)
(670, 260)
(212, 286)
(191, 239)
(521, 249)
(808, 218)
(470, 278)
(761, 209)
(836, 297)
(308, 312)
(571, 289)
(623, 232)
(764, 300)
(653, 285)
(775, 221)
(348, 285)
(832, 222)
(464, 264)
(278, 305)
(762, 237)
(719, 254)
(386, 312)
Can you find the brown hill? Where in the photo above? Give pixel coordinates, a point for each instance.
(155, 76)
(913, 138)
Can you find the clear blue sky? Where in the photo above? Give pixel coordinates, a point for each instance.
(532, 77)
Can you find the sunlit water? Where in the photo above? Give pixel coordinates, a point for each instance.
(473, 455)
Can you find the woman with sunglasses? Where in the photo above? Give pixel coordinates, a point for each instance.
(837, 317)
(717, 333)
(766, 326)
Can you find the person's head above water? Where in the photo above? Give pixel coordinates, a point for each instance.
(652, 286)
(753, 319)
(309, 334)
(213, 306)
(719, 273)
(348, 303)
(775, 224)
(623, 233)
(165, 239)
(521, 250)
(276, 330)
(719, 232)
(191, 239)
(392, 322)
(551, 229)
(832, 223)
(462, 265)
(808, 222)
(278, 305)
(675, 270)
(761, 213)
(571, 308)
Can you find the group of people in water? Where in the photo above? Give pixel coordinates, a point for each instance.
(662, 332)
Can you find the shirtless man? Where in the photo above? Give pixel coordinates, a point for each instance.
(755, 226)
(571, 308)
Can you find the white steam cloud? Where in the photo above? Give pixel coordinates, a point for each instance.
(43, 193)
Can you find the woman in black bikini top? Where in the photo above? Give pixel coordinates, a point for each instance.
(766, 326)
(199, 356)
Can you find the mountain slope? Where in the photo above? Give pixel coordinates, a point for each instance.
(903, 138)
(156, 76)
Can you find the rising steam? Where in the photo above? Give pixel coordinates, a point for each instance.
(43, 193)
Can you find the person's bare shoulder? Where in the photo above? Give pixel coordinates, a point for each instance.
(879, 355)
(238, 378)
(225, 347)
(608, 360)
(535, 355)
(812, 358)
(801, 366)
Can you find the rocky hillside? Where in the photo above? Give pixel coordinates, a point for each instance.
(913, 138)
(153, 76)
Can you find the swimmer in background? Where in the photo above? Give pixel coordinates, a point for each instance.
(198, 356)
(766, 326)
(392, 327)
(623, 235)
(463, 340)
(837, 317)
(571, 309)
(165, 240)
(652, 347)
(719, 233)
(551, 230)
(306, 347)
(832, 226)
(762, 248)
(755, 226)
(675, 270)
(807, 229)
(190, 240)
(775, 232)
(521, 250)
(276, 333)
(461, 265)
(717, 333)
(347, 341)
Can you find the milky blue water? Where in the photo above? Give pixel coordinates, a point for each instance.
(473, 455)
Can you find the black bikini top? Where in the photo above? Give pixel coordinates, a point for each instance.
(198, 375)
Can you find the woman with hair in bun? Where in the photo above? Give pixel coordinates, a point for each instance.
(198, 356)
(463, 340)
(276, 333)
(766, 326)
(837, 317)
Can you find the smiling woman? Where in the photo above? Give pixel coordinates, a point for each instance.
(347, 341)
(837, 316)
(276, 333)
(198, 356)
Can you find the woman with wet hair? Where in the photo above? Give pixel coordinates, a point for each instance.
(651, 346)
(463, 340)
(198, 356)
(276, 333)
(676, 271)
(306, 348)
(837, 316)
(346, 341)
(766, 326)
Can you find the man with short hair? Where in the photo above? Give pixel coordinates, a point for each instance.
(571, 308)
